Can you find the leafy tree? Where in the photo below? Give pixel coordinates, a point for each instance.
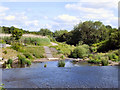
(16, 34)
(45, 32)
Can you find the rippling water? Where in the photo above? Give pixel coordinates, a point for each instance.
(72, 76)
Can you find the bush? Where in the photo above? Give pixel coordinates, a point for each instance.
(62, 57)
(45, 65)
(104, 61)
(28, 62)
(8, 66)
(94, 61)
(28, 55)
(61, 63)
(16, 46)
(80, 51)
(10, 61)
(22, 60)
(5, 52)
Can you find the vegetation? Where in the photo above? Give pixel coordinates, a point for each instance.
(45, 65)
(35, 41)
(88, 39)
(80, 51)
(61, 63)
(64, 48)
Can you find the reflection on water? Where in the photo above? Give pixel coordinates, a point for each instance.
(68, 63)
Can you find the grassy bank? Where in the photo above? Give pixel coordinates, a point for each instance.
(63, 48)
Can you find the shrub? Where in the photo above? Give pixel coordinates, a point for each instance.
(16, 46)
(45, 65)
(62, 57)
(80, 52)
(94, 61)
(10, 61)
(8, 66)
(22, 61)
(104, 61)
(5, 52)
(61, 63)
(28, 55)
(90, 55)
(28, 62)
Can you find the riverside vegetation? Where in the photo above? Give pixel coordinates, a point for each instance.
(94, 41)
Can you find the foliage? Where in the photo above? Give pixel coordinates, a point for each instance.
(62, 57)
(36, 52)
(45, 65)
(38, 55)
(36, 41)
(28, 62)
(16, 33)
(80, 51)
(10, 61)
(45, 32)
(27, 55)
(16, 46)
(63, 48)
(104, 61)
(61, 63)
(5, 52)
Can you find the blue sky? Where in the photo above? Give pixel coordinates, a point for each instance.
(57, 15)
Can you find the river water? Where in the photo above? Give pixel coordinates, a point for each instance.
(73, 75)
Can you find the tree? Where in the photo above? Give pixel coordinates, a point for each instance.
(17, 33)
(45, 32)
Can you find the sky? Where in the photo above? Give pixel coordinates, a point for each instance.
(33, 15)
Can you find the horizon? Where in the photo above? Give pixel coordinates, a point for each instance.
(33, 16)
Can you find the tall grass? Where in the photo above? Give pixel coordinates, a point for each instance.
(35, 41)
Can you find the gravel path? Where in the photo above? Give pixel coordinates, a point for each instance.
(48, 52)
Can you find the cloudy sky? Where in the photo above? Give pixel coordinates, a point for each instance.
(33, 15)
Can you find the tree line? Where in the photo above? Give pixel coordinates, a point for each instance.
(91, 33)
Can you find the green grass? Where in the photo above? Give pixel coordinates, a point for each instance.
(64, 48)
(36, 41)
(33, 52)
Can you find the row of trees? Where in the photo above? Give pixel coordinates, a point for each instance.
(87, 32)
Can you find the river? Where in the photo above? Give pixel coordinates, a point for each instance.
(73, 75)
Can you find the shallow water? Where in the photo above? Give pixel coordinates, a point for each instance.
(71, 76)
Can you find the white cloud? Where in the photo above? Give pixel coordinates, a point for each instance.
(45, 17)
(66, 19)
(10, 18)
(102, 11)
(32, 22)
(3, 9)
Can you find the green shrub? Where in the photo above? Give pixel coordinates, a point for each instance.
(28, 55)
(80, 51)
(45, 65)
(10, 61)
(16, 46)
(28, 62)
(61, 63)
(8, 66)
(94, 61)
(62, 57)
(90, 55)
(5, 52)
(22, 60)
(104, 61)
